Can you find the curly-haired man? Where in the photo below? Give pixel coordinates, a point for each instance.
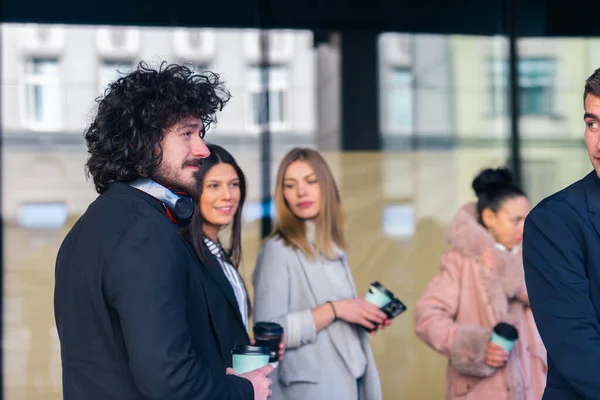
(131, 311)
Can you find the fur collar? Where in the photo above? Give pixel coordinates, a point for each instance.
(471, 239)
(467, 235)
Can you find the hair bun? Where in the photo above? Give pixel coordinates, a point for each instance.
(490, 178)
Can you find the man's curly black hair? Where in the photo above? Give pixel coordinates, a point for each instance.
(124, 139)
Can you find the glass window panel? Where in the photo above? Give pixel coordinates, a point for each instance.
(277, 82)
(43, 94)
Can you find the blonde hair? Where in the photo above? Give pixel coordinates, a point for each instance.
(329, 223)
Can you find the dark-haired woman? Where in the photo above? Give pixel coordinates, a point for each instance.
(222, 195)
(480, 283)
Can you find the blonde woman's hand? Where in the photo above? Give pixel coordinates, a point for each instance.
(281, 347)
(359, 311)
(378, 328)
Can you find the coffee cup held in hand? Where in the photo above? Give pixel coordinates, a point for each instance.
(504, 335)
(249, 358)
(268, 334)
(394, 308)
(378, 295)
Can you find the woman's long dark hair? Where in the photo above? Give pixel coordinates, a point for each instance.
(193, 231)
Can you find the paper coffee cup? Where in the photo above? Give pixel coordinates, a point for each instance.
(249, 358)
(504, 335)
(268, 334)
(378, 295)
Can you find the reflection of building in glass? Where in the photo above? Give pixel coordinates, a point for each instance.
(416, 90)
(451, 94)
(551, 76)
(42, 94)
(446, 94)
(52, 74)
(443, 104)
(536, 86)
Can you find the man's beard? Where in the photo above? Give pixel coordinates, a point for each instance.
(170, 177)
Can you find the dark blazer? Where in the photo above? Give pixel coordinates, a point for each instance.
(131, 309)
(223, 307)
(561, 257)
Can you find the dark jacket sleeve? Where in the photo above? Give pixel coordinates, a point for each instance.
(146, 284)
(559, 292)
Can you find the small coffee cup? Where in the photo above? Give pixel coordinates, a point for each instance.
(378, 295)
(268, 334)
(248, 358)
(505, 335)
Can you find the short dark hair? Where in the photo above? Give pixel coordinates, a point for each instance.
(124, 139)
(592, 85)
(492, 187)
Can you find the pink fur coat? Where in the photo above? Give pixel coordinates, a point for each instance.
(460, 306)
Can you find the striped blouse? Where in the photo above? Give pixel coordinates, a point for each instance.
(233, 277)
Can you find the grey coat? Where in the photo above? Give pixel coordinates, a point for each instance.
(315, 365)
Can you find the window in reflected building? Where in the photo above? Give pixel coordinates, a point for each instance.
(280, 44)
(199, 68)
(118, 42)
(536, 78)
(111, 70)
(195, 47)
(401, 100)
(536, 85)
(396, 77)
(278, 89)
(398, 220)
(43, 93)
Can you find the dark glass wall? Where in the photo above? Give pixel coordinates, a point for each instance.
(405, 122)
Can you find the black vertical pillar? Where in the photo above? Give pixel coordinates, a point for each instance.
(359, 91)
(265, 124)
(512, 25)
(1, 255)
(265, 136)
(360, 129)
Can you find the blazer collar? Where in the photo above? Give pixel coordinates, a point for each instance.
(216, 273)
(120, 188)
(212, 270)
(592, 193)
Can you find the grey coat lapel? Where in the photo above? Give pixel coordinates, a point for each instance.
(316, 278)
(321, 289)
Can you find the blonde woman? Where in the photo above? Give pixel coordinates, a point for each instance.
(302, 281)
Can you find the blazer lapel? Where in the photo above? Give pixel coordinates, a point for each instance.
(592, 193)
(215, 271)
(201, 280)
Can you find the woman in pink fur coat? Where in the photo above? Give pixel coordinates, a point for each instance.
(480, 283)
